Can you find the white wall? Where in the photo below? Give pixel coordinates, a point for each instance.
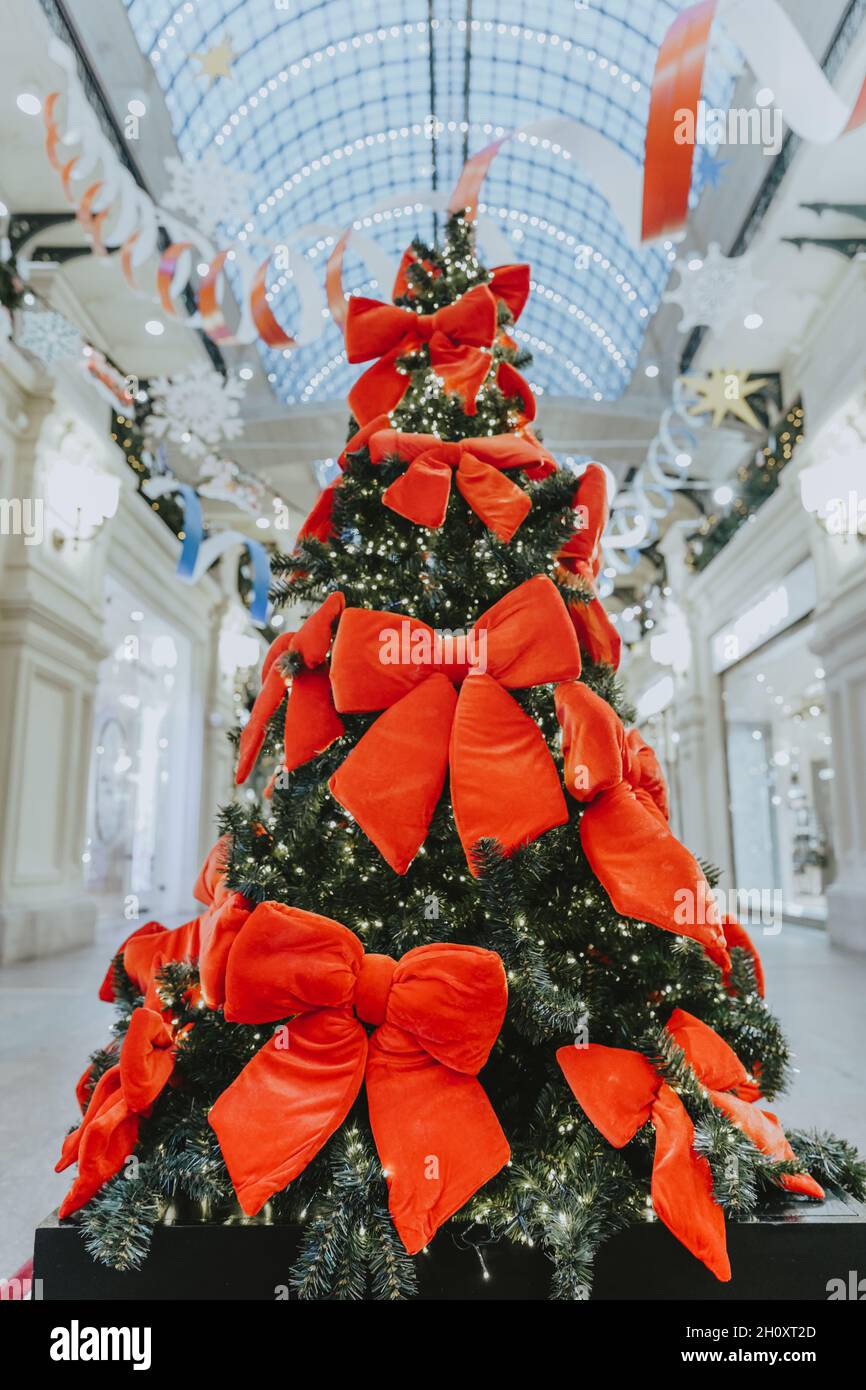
(51, 645)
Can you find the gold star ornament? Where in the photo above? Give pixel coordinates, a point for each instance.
(217, 61)
(725, 391)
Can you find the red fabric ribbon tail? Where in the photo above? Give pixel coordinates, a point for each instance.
(597, 636)
(452, 1147)
(253, 734)
(511, 382)
(620, 1091)
(421, 493)
(497, 754)
(767, 1134)
(682, 1186)
(312, 723)
(380, 389)
(500, 503)
(462, 368)
(393, 777)
(288, 1101)
(647, 873)
(319, 524)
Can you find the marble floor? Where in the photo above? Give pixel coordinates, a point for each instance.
(51, 1019)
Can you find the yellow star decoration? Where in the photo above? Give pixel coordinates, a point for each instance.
(217, 61)
(724, 392)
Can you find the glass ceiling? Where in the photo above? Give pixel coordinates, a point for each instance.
(328, 108)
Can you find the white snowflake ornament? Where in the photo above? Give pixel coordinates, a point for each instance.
(47, 336)
(198, 410)
(714, 289)
(208, 192)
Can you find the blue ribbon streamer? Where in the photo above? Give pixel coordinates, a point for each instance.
(196, 557)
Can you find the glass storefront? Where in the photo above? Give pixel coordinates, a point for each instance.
(780, 769)
(140, 722)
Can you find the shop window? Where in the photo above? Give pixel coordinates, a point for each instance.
(136, 802)
(780, 769)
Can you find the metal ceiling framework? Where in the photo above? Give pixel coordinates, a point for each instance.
(330, 108)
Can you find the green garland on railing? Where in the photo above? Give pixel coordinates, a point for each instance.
(756, 481)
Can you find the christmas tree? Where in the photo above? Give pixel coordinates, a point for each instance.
(453, 964)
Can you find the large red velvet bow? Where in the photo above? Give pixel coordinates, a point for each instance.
(427, 486)
(459, 337)
(421, 493)
(121, 1097)
(312, 723)
(503, 780)
(436, 1013)
(624, 830)
(581, 555)
(620, 1091)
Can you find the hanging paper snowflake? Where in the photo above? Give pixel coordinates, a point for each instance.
(208, 192)
(47, 336)
(714, 289)
(198, 410)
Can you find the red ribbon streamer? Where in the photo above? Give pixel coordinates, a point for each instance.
(168, 264)
(676, 86)
(265, 321)
(213, 320)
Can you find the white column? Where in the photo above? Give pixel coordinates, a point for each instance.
(51, 645)
(221, 712)
(50, 649)
(840, 641)
(697, 719)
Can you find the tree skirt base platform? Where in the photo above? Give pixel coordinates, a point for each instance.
(790, 1254)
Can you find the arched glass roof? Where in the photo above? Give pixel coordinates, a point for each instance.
(329, 105)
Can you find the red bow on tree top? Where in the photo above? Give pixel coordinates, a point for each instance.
(620, 1091)
(504, 783)
(436, 1013)
(421, 494)
(459, 337)
(582, 556)
(624, 830)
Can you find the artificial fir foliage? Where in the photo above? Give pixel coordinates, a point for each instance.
(578, 971)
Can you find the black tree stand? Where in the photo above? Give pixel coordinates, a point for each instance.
(792, 1253)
